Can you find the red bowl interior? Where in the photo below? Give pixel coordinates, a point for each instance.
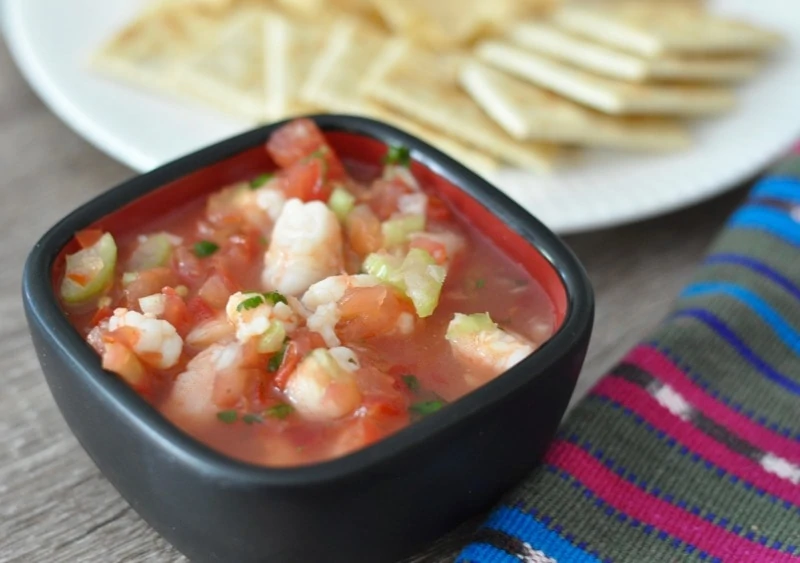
(350, 147)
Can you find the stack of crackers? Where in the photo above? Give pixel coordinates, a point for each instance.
(521, 83)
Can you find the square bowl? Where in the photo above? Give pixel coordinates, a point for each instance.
(380, 503)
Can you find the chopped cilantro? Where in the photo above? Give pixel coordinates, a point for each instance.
(250, 303)
(480, 283)
(280, 411)
(411, 382)
(251, 418)
(260, 180)
(426, 407)
(228, 417)
(205, 248)
(274, 297)
(276, 360)
(263, 240)
(398, 155)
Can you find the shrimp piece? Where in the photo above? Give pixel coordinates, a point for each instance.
(306, 247)
(328, 300)
(218, 377)
(156, 341)
(321, 388)
(477, 340)
(270, 200)
(192, 393)
(256, 315)
(215, 329)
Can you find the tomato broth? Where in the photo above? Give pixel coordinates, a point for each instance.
(300, 315)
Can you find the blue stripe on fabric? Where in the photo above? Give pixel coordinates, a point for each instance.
(722, 330)
(520, 525)
(485, 553)
(758, 267)
(777, 223)
(778, 187)
(782, 329)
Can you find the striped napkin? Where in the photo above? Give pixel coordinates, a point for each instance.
(689, 449)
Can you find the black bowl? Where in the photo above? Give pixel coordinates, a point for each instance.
(378, 504)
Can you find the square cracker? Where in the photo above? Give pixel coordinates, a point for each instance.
(605, 94)
(149, 51)
(230, 73)
(529, 113)
(424, 86)
(584, 53)
(290, 48)
(334, 84)
(653, 28)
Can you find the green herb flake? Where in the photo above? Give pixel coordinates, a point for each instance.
(250, 303)
(205, 248)
(251, 419)
(480, 284)
(228, 417)
(263, 241)
(279, 411)
(411, 382)
(275, 297)
(260, 180)
(398, 156)
(276, 360)
(426, 407)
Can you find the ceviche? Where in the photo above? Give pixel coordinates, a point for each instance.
(305, 312)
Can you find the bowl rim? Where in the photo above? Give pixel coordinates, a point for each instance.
(42, 308)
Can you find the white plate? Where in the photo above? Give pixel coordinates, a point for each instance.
(51, 40)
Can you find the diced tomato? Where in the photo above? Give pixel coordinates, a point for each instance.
(301, 344)
(299, 139)
(199, 310)
(291, 357)
(363, 230)
(88, 237)
(216, 289)
(175, 311)
(188, 266)
(121, 360)
(434, 248)
(101, 314)
(366, 312)
(438, 210)
(385, 195)
(80, 279)
(306, 180)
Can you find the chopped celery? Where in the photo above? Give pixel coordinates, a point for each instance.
(129, 277)
(396, 231)
(417, 276)
(154, 251)
(89, 270)
(341, 202)
(423, 279)
(272, 340)
(462, 325)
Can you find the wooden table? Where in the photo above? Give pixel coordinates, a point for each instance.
(54, 504)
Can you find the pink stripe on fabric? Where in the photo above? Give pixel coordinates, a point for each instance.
(796, 149)
(634, 502)
(642, 403)
(657, 364)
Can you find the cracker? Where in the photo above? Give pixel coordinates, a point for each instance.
(230, 74)
(529, 113)
(604, 94)
(290, 48)
(583, 53)
(424, 86)
(334, 84)
(653, 28)
(150, 50)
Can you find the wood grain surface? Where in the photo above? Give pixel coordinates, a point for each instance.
(54, 504)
